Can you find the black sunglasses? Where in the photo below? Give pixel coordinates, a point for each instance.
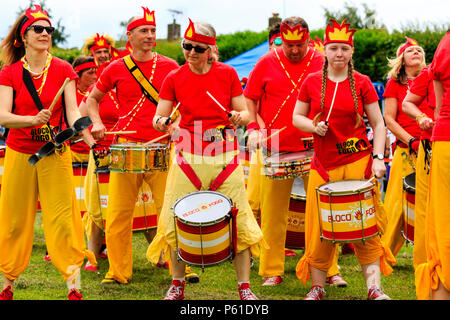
(198, 49)
(40, 29)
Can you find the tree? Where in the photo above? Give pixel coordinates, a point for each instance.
(58, 37)
(352, 15)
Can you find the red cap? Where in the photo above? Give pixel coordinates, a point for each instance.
(190, 34)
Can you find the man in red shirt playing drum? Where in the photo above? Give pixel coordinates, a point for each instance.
(136, 112)
(274, 83)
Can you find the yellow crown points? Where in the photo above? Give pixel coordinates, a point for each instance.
(190, 31)
(149, 16)
(37, 13)
(318, 44)
(339, 32)
(293, 34)
(100, 42)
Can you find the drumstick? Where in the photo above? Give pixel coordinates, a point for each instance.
(156, 139)
(120, 132)
(59, 94)
(366, 183)
(218, 103)
(332, 103)
(173, 112)
(275, 133)
(308, 138)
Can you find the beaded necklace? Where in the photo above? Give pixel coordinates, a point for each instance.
(37, 75)
(295, 84)
(141, 101)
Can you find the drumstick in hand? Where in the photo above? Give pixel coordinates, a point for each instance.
(120, 132)
(173, 112)
(59, 94)
(156, 140)
(308, 138)
(366, 183)
(218, 103)
(332, 103)
(273, 134)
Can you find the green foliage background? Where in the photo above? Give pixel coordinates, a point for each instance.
(372, 47)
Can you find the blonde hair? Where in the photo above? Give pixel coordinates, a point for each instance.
(207, 29)
(397, 65)
(351, 79)
(90, 42)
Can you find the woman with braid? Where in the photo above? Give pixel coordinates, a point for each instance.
(355, 95)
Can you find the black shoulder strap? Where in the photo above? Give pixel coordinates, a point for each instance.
(31, 89)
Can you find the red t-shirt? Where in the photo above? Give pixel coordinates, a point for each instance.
(423, 86)
(201, 117)
(398, 91)
(342, 144)
(133, 116)
(31, 139)
(440, 71)
(269, 83)
(80, 147)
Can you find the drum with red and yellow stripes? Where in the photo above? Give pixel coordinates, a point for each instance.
(347, 211)
(203, 229)
(295, 231)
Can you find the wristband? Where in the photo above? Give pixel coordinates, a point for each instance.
(420, 116)
(411, 142)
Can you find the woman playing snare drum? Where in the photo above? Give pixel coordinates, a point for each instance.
(205, 148)
(341, 151)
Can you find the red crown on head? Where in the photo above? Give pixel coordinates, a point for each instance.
(32, 14)
(293, 34)
(409, 43)
(339, 33)
(148, 18)
(317, 44)
(100, 42)
(190, 34)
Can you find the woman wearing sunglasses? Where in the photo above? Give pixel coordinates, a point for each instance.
(31, 71)
(206, 147)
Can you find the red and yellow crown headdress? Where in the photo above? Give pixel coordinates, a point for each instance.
(409, 43)
(293, 34)
(100, 42)
(147, 19)
(317, 44)
(339, 33)
(190, 34)
(32, 14)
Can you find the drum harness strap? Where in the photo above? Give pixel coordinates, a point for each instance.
(218, 181)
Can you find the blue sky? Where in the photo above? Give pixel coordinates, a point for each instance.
(81, 18)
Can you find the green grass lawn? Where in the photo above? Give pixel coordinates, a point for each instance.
(41, 281)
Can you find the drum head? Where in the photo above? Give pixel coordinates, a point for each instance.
(202, 207)
(290, 156)
(157, 146)
(409, 182)
(344, 186)
(125, 146)
(298, 190)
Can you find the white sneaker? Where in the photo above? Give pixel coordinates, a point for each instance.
(316, 293)
(375, 293)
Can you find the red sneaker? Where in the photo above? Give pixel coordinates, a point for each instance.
(347, 248)
(245, 293)
(6, 294)
(272, 281)
(164, 265)
(289, 253)
(375, 293)
(336, 281)
(47, 258)
(103, 254)
(176, 291)
(90, 267)
(74, 294)
(316, 293)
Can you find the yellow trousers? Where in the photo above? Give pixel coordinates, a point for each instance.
(437, 230)
(419, 250)
(50, 179)
(400, 168)
(320, 254)
(178, 185)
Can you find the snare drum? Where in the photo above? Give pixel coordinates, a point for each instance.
(295, 232)
(409, 201)
(288, 165)
(203, 228)
(79, 175)
(346, 211)
(135, 158)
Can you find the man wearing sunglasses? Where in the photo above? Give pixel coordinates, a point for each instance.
(137, 105)
(271, 94)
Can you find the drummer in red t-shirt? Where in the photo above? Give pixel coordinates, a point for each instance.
(434, 275)
(206, 145)
(419, 104)
(336, 98)
(136, 112)
(271, 90)
(404, 68)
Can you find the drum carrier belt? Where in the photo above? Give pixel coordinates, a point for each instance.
(218, 181)
(148, 89)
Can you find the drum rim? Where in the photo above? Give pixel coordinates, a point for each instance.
(190, 223)
(287, 152)
(343, 193)
(406, 186)
(295, 196)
